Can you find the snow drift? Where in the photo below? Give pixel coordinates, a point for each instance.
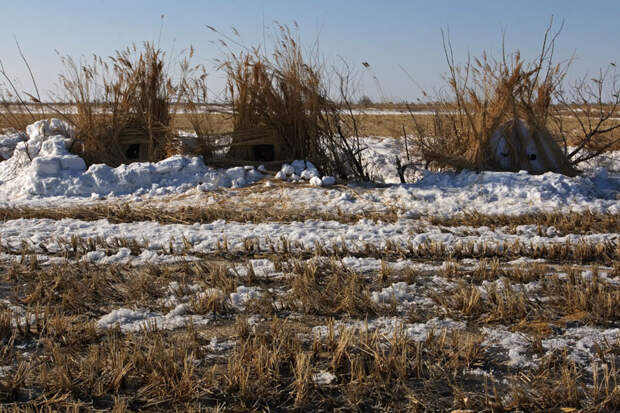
(42, 166)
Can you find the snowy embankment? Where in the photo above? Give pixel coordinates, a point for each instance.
(43, 167)
(42, 171)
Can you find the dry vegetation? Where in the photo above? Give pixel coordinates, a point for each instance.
(134, 97)
(287, 88)
(120, 99)
(266, 354)
(327, 329)
(111, 103)
(317, 337)
(487, 95)
(236, 210)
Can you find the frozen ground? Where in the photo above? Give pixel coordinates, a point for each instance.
(529, 296)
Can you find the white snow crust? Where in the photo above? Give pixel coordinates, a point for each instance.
(42, 166)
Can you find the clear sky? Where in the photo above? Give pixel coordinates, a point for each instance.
(387, 34)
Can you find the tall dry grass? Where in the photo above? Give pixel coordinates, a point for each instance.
(282, 90)
(112, 102)
(484, 94)
(127, 97)
(287, 88)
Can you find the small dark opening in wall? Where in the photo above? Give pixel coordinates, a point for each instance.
(533, 157)
(133, 151)
(264, 153)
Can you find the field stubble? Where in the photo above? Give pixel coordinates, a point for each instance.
(323, 327)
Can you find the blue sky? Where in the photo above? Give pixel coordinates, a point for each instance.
(387, 34)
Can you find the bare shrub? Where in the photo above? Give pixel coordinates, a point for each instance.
(594, 104)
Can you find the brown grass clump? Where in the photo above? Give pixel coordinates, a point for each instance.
(287, 90)
(123, 100)
(565, 223)
(572, 299)
(592, 299)
(119, 213)
(328, 290)
(490, 95)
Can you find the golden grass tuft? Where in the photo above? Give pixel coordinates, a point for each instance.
(286, 89)
(125, 99)
(487, 95)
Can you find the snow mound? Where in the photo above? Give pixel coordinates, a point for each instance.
(8, 143)
(42, 166)
(303, 170)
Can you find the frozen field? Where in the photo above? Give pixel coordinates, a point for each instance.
(155, 282)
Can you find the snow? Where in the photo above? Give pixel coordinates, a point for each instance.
(244, 294)
(123, 256)
(581, 343)
(516, 345)
(8, 143)
(134, 320)
(328, 181)
(262, 268)
(316, 181)
(42, 166)
(219, 346)
(388, 326)
(204, 238)
(303, 170)
(448, 194)
(323, 378)
(398, 292)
